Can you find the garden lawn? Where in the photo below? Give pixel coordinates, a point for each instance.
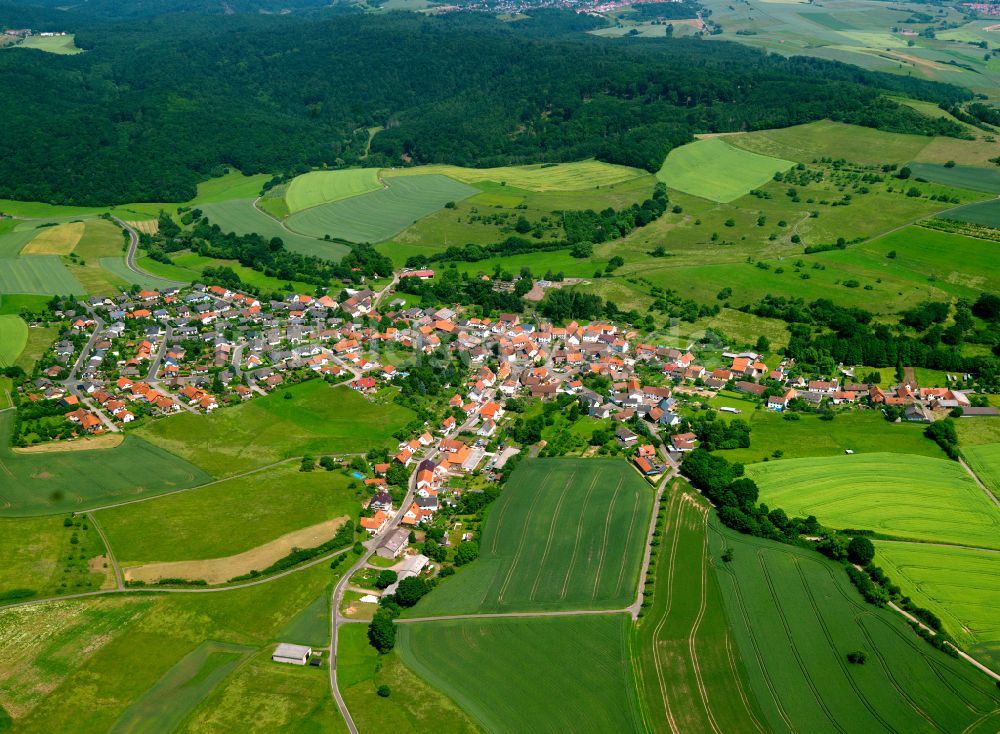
(958, 584)
(715, 170)
(317, 419)
(319, 187)
(227, 518)
(64, 481)
(564, 534)
(901, 495)
(553, 674)
(378, 215)
(13, 338)
(795, 616)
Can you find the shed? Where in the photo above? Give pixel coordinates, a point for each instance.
(293, 654)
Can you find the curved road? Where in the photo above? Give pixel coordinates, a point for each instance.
(130, 256)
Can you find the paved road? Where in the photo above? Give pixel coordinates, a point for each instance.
(154, 365)
(130, 256)
(85, 352)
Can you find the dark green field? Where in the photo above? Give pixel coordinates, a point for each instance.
(986, 180)
(986, 213)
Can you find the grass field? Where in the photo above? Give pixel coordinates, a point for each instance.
(984, 460)
(565, 534)
(715, 170)
(541, 177)
(319, 187)
(806, 143)
(40, 484)
(40, 338)
(379, 215)
(226, 518)
(901, 495)
(188, 266)
(524, 667)
(977, 431)
(986, 180)
(795, 616)
(41, 274)
(957, 584)
(317, 419)
(116, 268)
(986, 213)
(240, 216)
(13, 338)
(60, 45)
(414, 706)
(101, 240)
(57, 240)
(688, 674)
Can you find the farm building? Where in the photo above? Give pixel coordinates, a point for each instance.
(394, 544)
(292, 654)
(412, 566)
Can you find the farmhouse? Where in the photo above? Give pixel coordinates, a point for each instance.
(292, 654)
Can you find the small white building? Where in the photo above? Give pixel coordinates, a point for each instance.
(292, 654)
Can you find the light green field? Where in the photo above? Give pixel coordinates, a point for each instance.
(984, 460)
(116, 268)
(40, 338)
(805, 143)
(311, 626)
(565, 534)
(168, 702)
(795, 616)
(41, 274)
(318, 419)
(189, 266)
(379, 215)
(576, 176)
(233, 185)
(240, 216)
(715, 170)
(61, 45)
(13, 338)
(682, 647)
(226, 518)
(523, 666)
(875, 39)
(414, 706)
(47, 483)
(957, 584)
(986, 180)
(319, 187)
(911, 497)
(37, 553)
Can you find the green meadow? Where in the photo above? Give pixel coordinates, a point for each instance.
(317, 419)
(228, 517)
(117, 268)
(715, 170)
(525, 668)
(50, 482)
(319, 187)
(13, 338)
(902, 495)
(985, 462)
(41, 274)
(101, 241)
(59, 45)
(565, 534)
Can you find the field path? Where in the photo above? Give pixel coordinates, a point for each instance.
(978, 481)
(119, 582)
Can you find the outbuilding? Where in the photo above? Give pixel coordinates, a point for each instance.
(293, 654)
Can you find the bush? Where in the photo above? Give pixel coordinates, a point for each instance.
(385, 579)
(860, 551)
(383, 690)
(411, 590)
(857, 657)
(382, 631)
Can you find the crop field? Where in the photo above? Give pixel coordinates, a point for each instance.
(166, 704)
(228, 517)
(240, 216)
(317, 419)
(795, 616)
(986, 213)
(906, 496)
(57, 240)
(565, 534)
(523, 667)
(957, 584)
(986, 180)
(423, 708)
(985, 462)
(116, 268)
(41, 274)
(13, 338)
(806, 143)
(101, 240)
(40, 484)
(540, 177)
(319, 187)
(549, 541)
(715, 170)
(379, 215)
(689, 676)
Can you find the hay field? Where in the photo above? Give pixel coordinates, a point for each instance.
(715, 170)
(57, 240)
(576, 176)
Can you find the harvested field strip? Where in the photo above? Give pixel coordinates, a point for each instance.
(220, 570)
(146, 226)
(58, 240)
(83, 443)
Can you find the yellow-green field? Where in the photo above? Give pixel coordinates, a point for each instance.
(319, 187)
(57, 240)
(715, 170)
(542, 177)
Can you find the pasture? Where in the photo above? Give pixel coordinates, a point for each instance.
(41, 274)
(986, 180)
(240, 216)
(577, 176)
(228, 517)
(523, 667)
(682, 648)
(564, 534)
(13, 338)
(57, 240)
(715, 170)
(43, 484)
(317, 419)
(378, 215)
(957, 584)
(901, 495)
(423, 708)
(319, 187)
(795, 616)
(984, 460)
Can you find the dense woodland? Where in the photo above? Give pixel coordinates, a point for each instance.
(156, 104)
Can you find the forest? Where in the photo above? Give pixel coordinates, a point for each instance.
(156, 104)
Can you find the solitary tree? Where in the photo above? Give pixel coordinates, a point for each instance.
(860, 551)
